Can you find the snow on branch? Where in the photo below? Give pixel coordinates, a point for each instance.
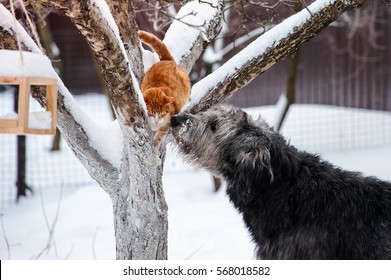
(80, 131)
(125, 18)
(214, 54)
(195, 24)
(8, 24)
(23, 64)
(273, 46)
(96, 23)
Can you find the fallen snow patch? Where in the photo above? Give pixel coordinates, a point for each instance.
(202, 224)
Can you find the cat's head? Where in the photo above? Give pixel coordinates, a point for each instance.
(160, 107)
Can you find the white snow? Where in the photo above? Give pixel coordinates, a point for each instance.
(202, 224)
(211, 55)
(39, 65)
(216, 54)
(9, 116)
(104, 136)
(108, 17)
(35, 64)
(191, 21)
(108, 140)
(248, 36)
(40, 120)
(260, 45)
(30, 64)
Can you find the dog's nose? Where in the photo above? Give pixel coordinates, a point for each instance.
(177, 120)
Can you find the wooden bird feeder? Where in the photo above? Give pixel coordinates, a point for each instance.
(32, 70)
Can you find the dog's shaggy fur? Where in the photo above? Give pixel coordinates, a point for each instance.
(295, 205)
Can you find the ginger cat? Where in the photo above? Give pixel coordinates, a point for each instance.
(165, 87)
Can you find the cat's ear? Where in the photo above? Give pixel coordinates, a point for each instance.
(169, 99)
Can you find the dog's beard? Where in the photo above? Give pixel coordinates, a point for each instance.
(183, 142)
(183, 133)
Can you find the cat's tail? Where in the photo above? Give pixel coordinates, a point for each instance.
(156, 44)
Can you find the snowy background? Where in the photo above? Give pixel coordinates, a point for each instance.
(73, 220)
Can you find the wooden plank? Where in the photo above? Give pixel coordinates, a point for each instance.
(8, 123)
(11, 130)
(9, 80)
(39, 131)
(23, 103)
(51, 105)
(41, 81)
(21, 131)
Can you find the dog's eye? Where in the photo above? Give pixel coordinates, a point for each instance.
(213, 125)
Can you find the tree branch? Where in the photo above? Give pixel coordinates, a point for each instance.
(187, 38)
(102, 34)
(125, 18)
(275, 45)
(72, 130)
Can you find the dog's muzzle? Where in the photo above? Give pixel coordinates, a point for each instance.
(178, 120)
(182, 129)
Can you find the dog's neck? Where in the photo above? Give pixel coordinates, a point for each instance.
(285, 161)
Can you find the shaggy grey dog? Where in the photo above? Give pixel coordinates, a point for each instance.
(295, 205)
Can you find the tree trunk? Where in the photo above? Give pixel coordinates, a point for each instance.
(139, 207)
(140, 227)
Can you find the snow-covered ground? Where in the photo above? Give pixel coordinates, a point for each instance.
(77, 221)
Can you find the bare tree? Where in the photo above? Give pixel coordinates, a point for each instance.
(134, 180)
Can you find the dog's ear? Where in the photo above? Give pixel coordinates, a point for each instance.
(256, 157)
(239, 115)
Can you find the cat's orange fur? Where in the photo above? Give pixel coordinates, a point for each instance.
(165, 87)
